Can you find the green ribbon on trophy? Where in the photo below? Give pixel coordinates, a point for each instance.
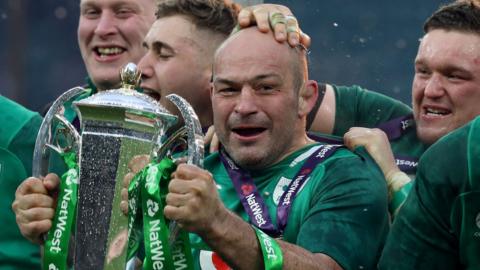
(148, 190)
(58, 238)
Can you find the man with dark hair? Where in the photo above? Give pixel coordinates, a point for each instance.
(445, 96)
(181, 61)
(439, 225)
(270, 180)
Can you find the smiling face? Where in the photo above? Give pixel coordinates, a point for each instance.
(257, 115)
(110, 35)
(446, 86)
(180, 62)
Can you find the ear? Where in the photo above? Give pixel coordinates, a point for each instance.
(307, 97)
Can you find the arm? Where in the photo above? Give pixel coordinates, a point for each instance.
(194, 203)
(377, 145)
(345, 107)
(423, 235)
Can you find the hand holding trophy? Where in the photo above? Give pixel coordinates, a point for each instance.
(115, 126)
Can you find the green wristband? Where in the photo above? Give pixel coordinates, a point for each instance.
(399, 198)
(271, 251)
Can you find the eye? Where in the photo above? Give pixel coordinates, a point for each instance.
(226, 91)
(124, 12)
(266, 88)
(162, 52)
(164, 55)
(422, 72)
(456, 77)
(91, 13)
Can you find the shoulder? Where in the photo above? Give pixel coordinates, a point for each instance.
(346, 170)
(359, 92)
(14, 117)
(445, 162)
(449, 161)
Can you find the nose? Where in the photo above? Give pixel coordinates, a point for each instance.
(246, 102)
(106, 24)
(435, 86)
(145, 66)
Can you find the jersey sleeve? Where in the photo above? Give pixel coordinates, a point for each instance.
(348, 215)
(422, 236)
(358, 107)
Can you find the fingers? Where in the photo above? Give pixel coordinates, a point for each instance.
(137, 163)
(35, 215)
(34, 208)
(278, 24)
(127, 179)
(190, 172)
(359, 136)
(193, 200)
(376, 143)
(31, 201)
(209, 135)
(31, 185)
(124, 201)
(254, 15)
(211, 139)
(278, 18)
(214, 144)
(189, 179)
(305, 40)
(33, 231)
(177, 200)
(51, 182)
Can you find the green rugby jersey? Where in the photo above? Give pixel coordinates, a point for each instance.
(439, 225)
(341, 210)
(358, 107)
(18, 130)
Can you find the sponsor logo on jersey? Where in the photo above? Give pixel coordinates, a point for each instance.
(407, 123)
(280, 189)
(324, 151)
(409, 163)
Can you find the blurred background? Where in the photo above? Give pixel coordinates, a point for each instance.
(371, 43)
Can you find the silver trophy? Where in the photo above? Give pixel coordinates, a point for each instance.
(115, 126)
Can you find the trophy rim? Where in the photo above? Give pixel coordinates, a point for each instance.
(149, 105)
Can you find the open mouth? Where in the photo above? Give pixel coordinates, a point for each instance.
(249, 132)
(103, 52)
(436, 111)
(153, 94)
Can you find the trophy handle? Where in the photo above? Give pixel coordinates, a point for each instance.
(195, 144)
(45, 137)
(193, 130)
